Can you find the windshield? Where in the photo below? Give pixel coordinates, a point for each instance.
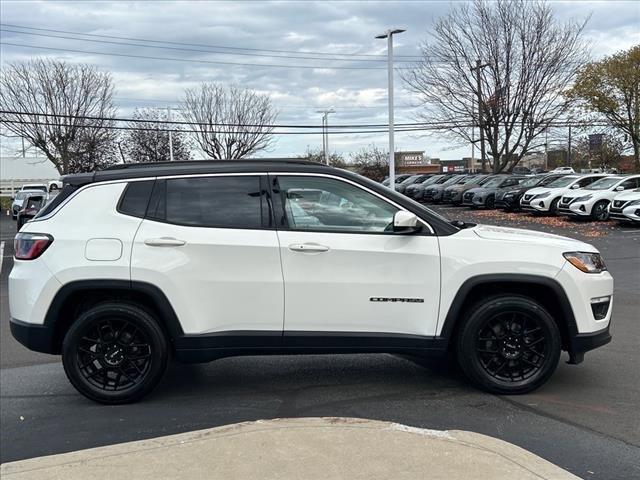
(411, 179)
(603, 183)
(432, 180)
(453, 181)
(21, 195)
(562, 182)
(494, 182)
(421, 180)
(529, 182)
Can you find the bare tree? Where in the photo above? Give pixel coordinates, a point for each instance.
(529, 58)
(148, 141)
(372, 163)
(335, 159)
(46, 102)
(229, 122)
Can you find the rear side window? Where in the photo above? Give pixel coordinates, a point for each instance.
(222, 202)
(135, 198)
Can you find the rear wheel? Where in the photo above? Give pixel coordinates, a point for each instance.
(600, 211)
(115, 353)
(508, 344)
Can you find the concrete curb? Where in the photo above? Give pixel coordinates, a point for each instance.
(300, 448)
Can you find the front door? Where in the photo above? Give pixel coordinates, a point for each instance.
(345, 270)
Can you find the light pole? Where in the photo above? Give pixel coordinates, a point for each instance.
(325, 132)
(392, 161)
(170, 136)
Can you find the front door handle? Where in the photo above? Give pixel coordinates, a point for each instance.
(164, 242)
(308, 247)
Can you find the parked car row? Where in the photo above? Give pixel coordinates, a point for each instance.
(594, 196)
(30, 199)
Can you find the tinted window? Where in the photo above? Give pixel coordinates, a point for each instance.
(224, 202)
(325, 204)
(135, 198)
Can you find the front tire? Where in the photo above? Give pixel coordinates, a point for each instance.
(490, 202)
(115, 353)
(600, 212)
(508, 344)
(553, 208)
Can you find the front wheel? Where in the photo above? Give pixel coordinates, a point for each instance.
(508, 344)
(115, 353)
(600, 211)
(490, 202)
(553, 208)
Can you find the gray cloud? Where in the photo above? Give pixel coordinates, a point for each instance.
(359, 96)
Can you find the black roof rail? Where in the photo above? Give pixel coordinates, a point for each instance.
(123, 166)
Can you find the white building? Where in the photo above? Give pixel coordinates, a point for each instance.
(15, 171)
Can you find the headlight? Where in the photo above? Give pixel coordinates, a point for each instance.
(586, 262)
(583, 199)
(541, 195)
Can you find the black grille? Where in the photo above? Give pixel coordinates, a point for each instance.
(468, 196)
(528, 197)
(618, 203)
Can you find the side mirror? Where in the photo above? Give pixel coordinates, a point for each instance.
(405, 222)
(573, 187)
(620, 188)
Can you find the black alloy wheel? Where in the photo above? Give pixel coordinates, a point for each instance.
(600, 211)
(509, 345)
(553, 208)
(490, 202)
(115, 353)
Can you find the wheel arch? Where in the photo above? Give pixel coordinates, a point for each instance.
(76, 297)
(547, 291)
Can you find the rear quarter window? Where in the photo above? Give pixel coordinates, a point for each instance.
(135, 198)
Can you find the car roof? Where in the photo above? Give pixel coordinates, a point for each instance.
(157, 169)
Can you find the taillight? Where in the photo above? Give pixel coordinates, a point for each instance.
(29, 246)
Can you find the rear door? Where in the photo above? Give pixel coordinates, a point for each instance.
(209, 244)
(346, 273)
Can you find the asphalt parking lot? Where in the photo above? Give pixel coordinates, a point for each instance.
(585, 419)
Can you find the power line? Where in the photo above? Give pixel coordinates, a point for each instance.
(220, 124)
(186, 60)
(380, 56)
(164, 47)
(174, 130)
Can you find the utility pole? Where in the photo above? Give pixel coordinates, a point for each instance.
(325, 133)
(170, 137)
(392, 159)
(477, 69)
(569, 149)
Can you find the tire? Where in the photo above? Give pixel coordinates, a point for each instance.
(553, 208)
(490, 202)
(19, 224)
(115, 353)
(497, 356)
(599, 212)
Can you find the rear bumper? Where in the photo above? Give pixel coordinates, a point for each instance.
(584, 342)
(38, 338)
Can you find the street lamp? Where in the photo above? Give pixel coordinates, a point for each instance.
(392, 164)
(325, 132)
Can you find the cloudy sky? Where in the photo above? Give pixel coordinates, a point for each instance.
(268, 33)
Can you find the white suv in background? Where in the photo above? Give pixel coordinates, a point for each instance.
(625, 207)
(593, 200)
(545, 199)
(130, 266)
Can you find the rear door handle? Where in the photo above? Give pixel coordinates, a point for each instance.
(308, 247)
(164, 242)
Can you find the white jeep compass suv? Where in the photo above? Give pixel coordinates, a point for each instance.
(132, 265)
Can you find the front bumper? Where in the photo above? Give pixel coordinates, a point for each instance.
(509, 202)
(628, 214)
(584, 342)
(574, 209)
(38, 338)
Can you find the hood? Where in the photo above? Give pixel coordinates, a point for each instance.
(506, 234)
(628, 195)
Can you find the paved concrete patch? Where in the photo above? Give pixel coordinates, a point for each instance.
(309, 448)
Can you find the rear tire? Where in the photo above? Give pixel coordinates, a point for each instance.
(115, 353)
(508, 344)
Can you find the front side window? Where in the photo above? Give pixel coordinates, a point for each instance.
(326, 204)
(222, 202)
